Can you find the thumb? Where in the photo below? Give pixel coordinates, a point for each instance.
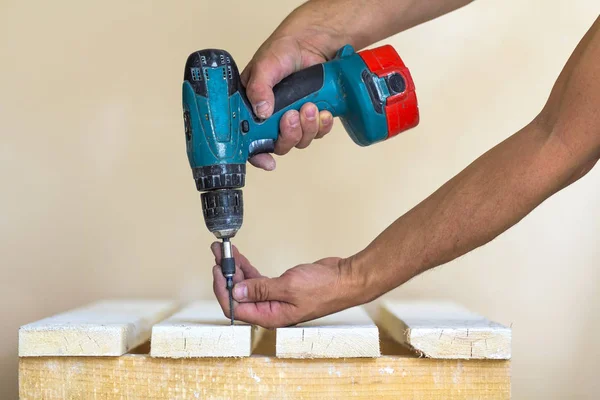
(265, 73)
(259, 289)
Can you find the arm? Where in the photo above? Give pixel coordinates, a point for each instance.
(360, 23)
(501, 187)
(312, 34)
(492, 194)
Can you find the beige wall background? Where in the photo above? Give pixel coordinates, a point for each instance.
(97, 198)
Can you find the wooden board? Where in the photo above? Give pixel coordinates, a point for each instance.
(201, 330)
(140, 377)
(105, 328)
(445, 330)
(350, 333)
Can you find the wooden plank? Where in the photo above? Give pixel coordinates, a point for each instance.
(259, 377)
(349, 333)
(201, 330)
(104, 328)
(445, 330)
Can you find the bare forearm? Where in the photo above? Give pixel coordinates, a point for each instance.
(502, 186)
(488, 197)
(363, 22)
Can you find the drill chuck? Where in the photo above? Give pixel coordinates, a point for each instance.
(222, 201)
(223, 211)
(219, 176)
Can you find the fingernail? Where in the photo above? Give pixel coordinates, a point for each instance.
(311, 113)
(240, 291)
(326, 120)
(262, 108)
(294, 120)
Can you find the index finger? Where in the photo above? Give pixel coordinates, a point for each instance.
(268, 314)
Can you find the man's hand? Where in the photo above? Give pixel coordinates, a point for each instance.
(302, 293)
(277, 58)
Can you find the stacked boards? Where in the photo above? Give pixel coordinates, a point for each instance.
(113, 328)
(195, 353)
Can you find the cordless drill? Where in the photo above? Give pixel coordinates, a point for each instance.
(371, 91)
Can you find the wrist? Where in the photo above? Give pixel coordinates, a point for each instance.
(361, 283)
(320, 26)
(376, 270)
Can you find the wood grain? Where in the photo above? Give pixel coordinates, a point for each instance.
(349, 333)
(105, 328)
(445, 330)
(259, 377)
(201, 330)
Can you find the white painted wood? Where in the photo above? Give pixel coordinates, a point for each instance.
(201, 330)
(445, 330)
(349, 333)
(104, 328)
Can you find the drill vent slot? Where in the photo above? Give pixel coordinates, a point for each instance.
(196, 76)
(203, 60)
(229, 73)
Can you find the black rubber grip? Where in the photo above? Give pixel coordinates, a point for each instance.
(297, 86)
(261, 146)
